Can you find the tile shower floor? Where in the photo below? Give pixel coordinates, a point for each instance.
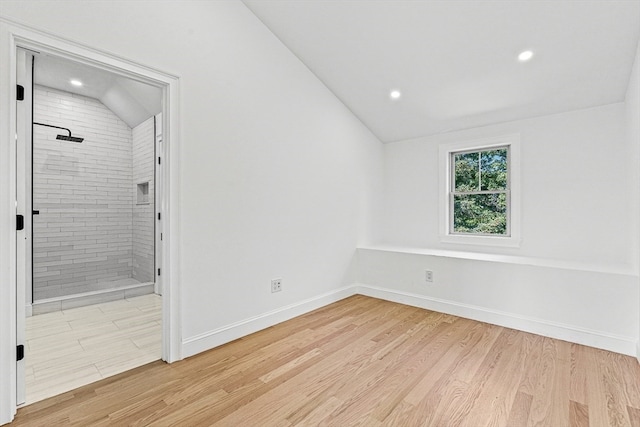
(70, 348)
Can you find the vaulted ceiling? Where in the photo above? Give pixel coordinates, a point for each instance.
(455, 62)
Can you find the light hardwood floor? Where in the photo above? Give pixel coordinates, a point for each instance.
(70, 348)
(367, 362)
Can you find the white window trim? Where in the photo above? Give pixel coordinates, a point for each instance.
(445, 150)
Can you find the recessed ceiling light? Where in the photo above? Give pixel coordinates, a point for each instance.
(395, 94)
(525, 56)
(75, 82)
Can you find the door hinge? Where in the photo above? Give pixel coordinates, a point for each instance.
(158, 216)
(158, 272)
(20, 352)
(158, 160)
(19, 222)
(19, 93)
(160, 236)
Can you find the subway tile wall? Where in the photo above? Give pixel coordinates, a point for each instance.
(143, 211)
(83, 236)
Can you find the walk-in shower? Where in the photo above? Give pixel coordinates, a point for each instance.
(93, 199)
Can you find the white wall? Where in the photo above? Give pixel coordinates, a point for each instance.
(278, 179)
(574, 198)
(632, 103)
(576, 272)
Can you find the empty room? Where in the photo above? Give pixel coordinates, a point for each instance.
(356, 212)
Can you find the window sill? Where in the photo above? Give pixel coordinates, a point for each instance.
(510, 242)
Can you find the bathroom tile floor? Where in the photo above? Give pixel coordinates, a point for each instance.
(70, 348)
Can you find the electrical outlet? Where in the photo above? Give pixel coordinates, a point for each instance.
(276, 285)
(428, 276)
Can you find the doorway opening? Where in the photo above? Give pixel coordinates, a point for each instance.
(111, 261)
(93, 302)
(17, 211)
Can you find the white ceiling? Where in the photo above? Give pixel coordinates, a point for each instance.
(455, 61)
(132, 101)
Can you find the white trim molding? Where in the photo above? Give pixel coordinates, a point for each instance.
(444, 213)
(593, 306)
(214, 338)
(7, 224)
(591, 338)
(228, 333)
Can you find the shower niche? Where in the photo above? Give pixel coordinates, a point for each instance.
(94, 231)
(142, 193)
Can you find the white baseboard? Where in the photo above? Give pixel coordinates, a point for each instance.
(591, 338)
(225, 334)
(28, 310)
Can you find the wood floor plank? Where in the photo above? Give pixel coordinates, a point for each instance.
(606, 398)
(456, 410)
(420, 381)
(398, 373)
(578, 414)
(531, 373)
(634, 416)
(463, 368)
(351, 374)
(629, 366)
(399, 328)
(493, 407)
(367, 362)
(319, 413)
(578, 377)
(520, 409)
(324, 374)
(550, 404)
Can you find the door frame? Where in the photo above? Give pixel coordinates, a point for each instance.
(14, 35)
(24, 196)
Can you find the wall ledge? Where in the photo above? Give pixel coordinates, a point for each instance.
(621, 269)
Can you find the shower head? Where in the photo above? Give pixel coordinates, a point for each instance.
(62, 137)
(69, 138)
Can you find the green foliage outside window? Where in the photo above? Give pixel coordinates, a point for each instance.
(480, 188)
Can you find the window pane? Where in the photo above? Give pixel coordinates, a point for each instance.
(493, 167)
(466, 169)
(480, 213)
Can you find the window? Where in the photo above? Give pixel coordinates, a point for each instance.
(479, 194)
(480, 200)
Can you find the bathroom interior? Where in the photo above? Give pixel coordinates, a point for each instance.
(93, 291)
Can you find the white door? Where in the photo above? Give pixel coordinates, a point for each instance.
(24, 209)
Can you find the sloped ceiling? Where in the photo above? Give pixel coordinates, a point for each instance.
(132, 101)
(455, 62)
